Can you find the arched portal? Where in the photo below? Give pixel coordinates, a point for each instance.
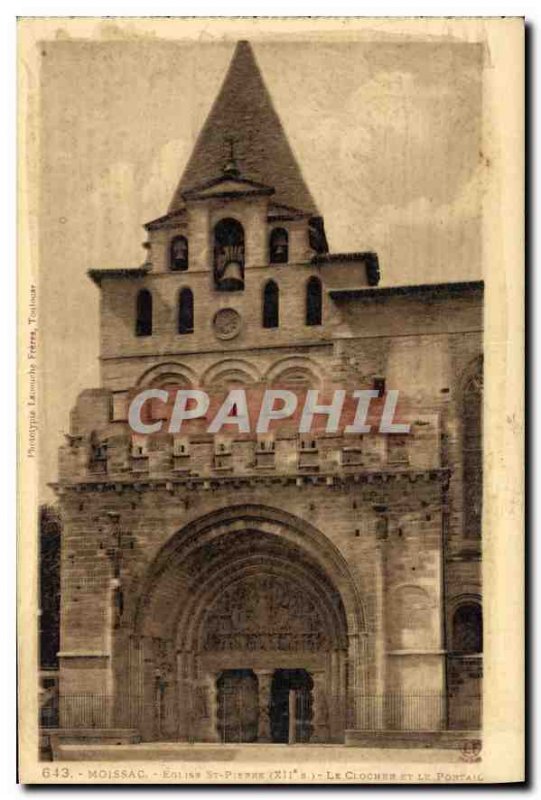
(247, 628)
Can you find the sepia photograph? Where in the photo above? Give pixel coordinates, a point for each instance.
(262, 498)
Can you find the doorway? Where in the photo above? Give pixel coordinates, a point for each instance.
(238, 705)
(291, 706)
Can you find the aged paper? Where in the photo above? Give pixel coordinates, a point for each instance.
(271, 462)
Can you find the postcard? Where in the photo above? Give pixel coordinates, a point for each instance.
(271, 344)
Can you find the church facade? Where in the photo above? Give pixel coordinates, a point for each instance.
(278, 587)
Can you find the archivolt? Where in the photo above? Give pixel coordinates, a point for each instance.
(294, 365)
(230, 368)
(311, 545)
(170, 371)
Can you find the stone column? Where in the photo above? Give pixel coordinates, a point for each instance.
(185, 694)
(212, 707)
(292, 736)
(147, 688)
(136, 682)
(361, 710)
(335, 700)
(352, 698)
(206, 708)
(320, 718)
(170, 718)
(376, 712)
(264, 680)
(356, 700)
(158, 704)
(345, 711)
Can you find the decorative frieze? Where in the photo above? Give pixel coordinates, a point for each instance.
(192, 482)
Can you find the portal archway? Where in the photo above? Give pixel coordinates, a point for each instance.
(232, 601)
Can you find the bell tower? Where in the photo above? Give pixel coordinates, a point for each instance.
(241, 165)
(240, 260)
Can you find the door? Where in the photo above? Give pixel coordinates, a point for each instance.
(291, 706)
(238, 705)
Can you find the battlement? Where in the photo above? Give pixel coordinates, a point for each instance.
(121, 455)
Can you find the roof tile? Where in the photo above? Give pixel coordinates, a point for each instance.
(243, 110)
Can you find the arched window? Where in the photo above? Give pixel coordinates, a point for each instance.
(314, 305)
(467, 636)
(229, 255)
(178, 254)
(472, 451)
(279, 246)
(271, 305)
(185, 311)
(143, 321)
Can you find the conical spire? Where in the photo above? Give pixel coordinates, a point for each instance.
(243, 113)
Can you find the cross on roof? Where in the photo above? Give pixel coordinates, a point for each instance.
(230, 167)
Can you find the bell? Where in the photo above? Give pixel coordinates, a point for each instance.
(232, 277)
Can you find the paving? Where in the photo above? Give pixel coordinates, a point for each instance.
(253, 753)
